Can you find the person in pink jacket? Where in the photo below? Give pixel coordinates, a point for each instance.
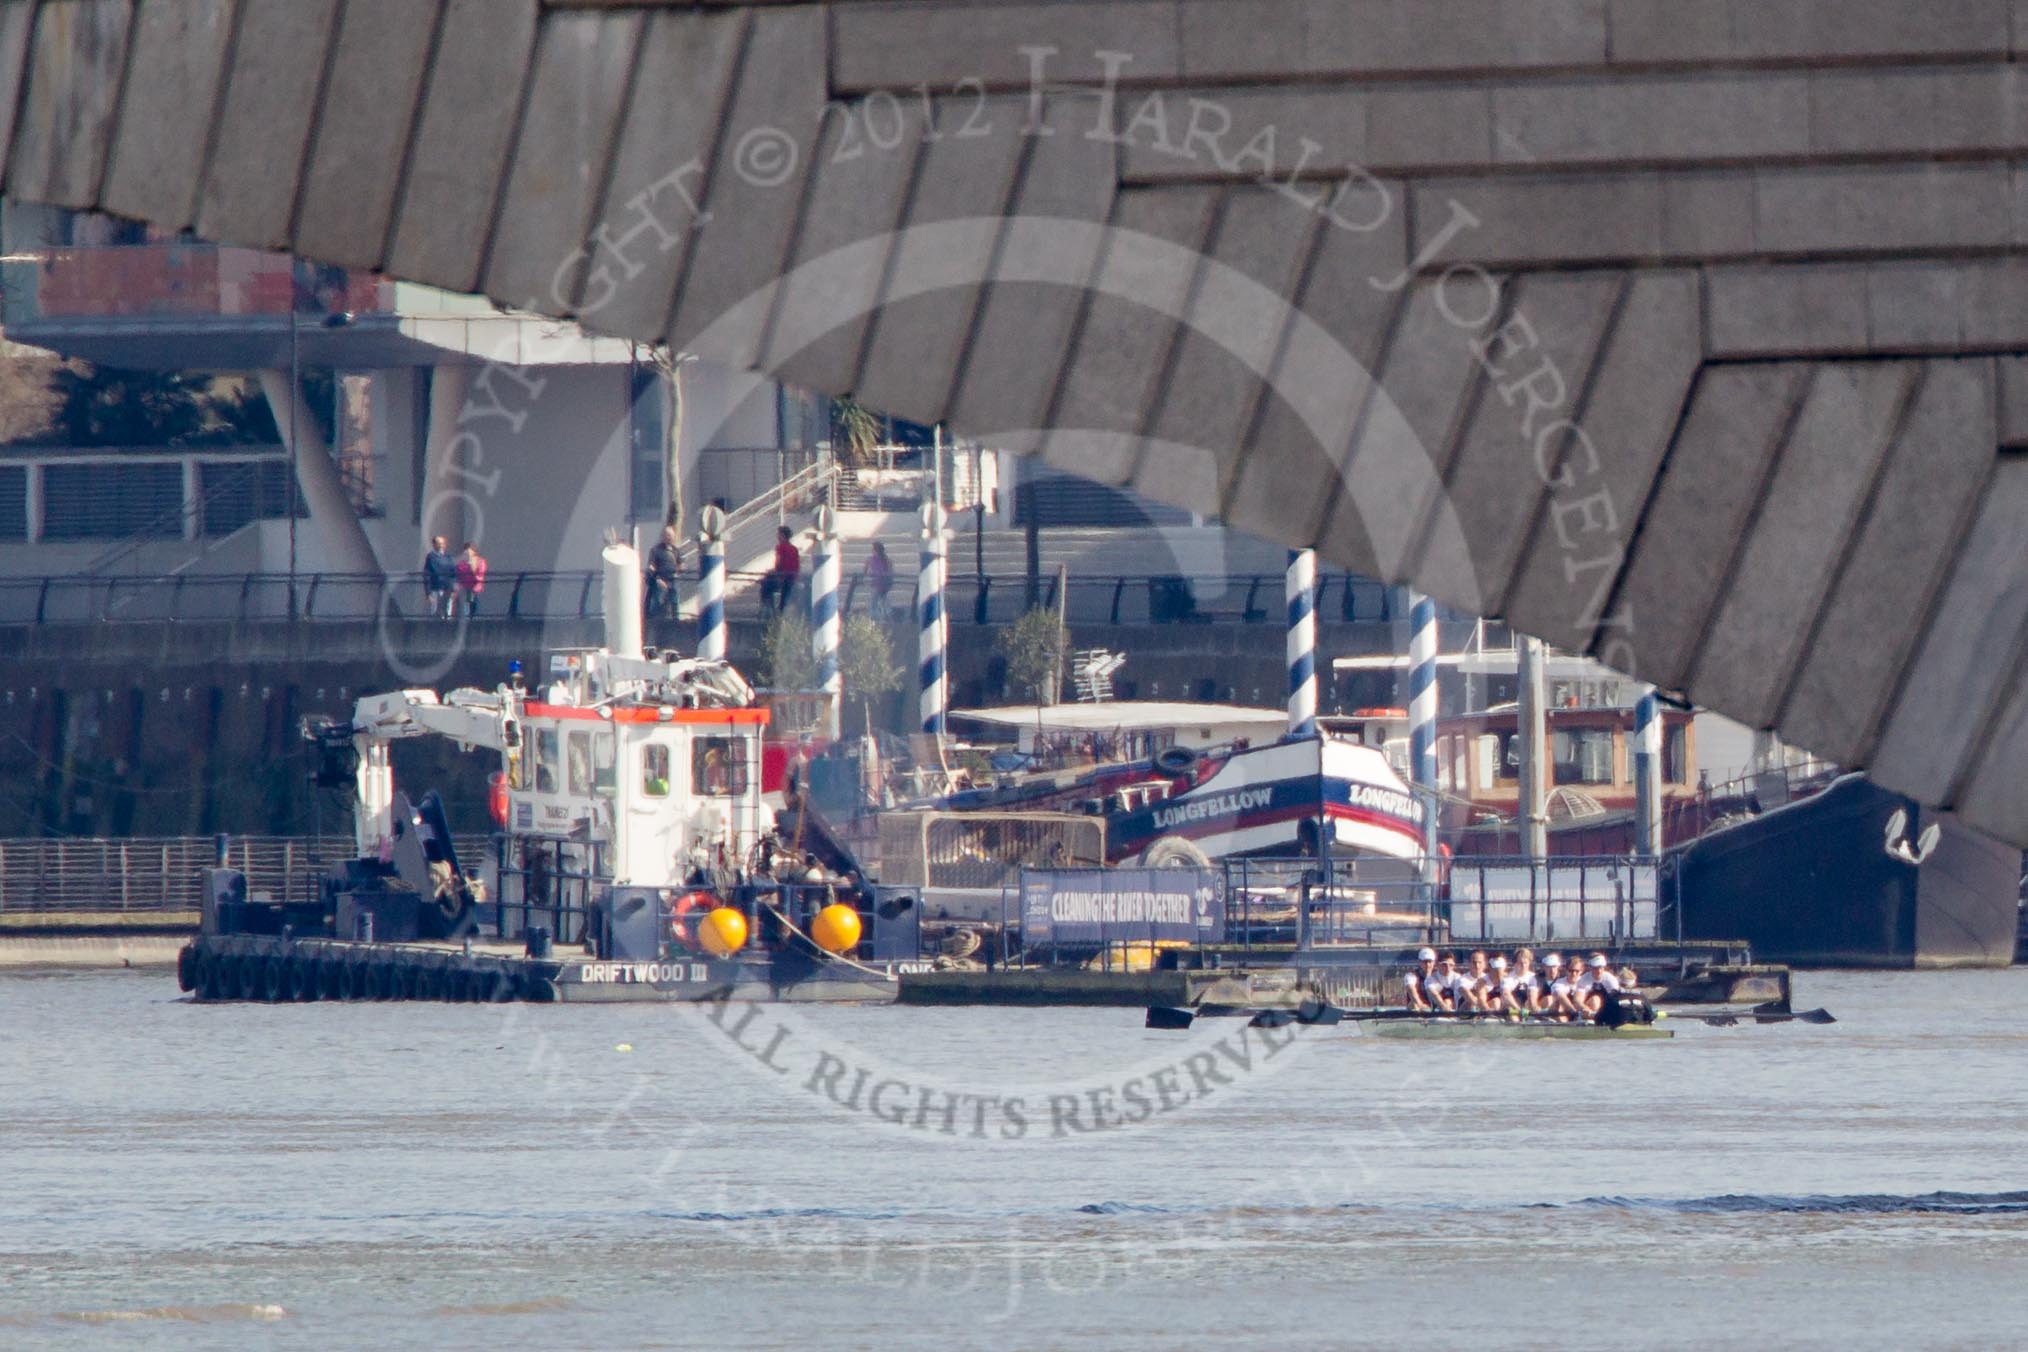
(471, 577)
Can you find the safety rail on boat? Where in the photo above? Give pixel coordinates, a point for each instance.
(331, 597)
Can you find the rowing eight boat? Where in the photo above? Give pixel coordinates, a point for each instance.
(1474, 1028)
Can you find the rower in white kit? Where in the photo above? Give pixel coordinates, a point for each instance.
(1428, 989)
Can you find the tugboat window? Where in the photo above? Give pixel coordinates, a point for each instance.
(602, 762)
(717, 766)
(546, 751)
(1676, 756)
(655, 770)
(579, 764)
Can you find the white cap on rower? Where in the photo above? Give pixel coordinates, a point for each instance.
(1500, 963)
(1426, 955)
(1553, 960)
(1598, 959)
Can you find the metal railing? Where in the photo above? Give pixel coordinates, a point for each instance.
(800, 492)
(1278, 910)
(341, 597)
(164, 873)
(1488, 900)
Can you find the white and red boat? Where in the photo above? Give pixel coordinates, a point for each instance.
(1181, 783)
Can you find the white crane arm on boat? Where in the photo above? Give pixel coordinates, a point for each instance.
(468, 717)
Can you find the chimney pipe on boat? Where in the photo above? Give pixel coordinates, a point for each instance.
(622, 600)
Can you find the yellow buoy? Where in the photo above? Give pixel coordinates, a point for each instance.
(722, 932)
(836, 928)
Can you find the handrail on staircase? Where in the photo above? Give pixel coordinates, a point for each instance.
(817, 476)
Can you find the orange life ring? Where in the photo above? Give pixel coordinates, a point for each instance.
(687, 905)
(496, 797)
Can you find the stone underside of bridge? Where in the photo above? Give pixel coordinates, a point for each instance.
(1684, 332)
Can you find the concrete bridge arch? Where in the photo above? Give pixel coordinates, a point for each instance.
(1703, 322)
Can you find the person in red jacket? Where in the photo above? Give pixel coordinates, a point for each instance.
(780, 583)
(471, 572)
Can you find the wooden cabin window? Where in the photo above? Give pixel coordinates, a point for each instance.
(655, 770)
(1582, 755)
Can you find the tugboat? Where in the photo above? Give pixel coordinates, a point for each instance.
(631, 828)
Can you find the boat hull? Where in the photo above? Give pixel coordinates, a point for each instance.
(1269, 800)
(1814, 884)
(1496, 1029)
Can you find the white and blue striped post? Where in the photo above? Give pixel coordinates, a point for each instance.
(711, 585)
(1648, 775)
(1422, 690)
(1423, 707)
(1302, 642)
(824, 621)
(929, 609)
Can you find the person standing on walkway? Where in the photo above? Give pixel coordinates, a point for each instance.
(780, 583)
(879, 577)
(440, 578)
(665, 562)
(471, 575)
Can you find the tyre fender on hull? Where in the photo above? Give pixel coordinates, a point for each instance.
(207, 976)
(247, 977)
(1175, 852)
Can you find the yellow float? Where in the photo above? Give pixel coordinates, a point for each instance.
(722, 932)
(836, 928)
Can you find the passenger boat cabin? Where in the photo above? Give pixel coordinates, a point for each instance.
(1591, 751)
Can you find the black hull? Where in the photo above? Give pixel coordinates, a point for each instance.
(1812, 884)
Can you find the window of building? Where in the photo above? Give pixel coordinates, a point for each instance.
(655, 770)
(105, 500)
(647, 441)
(13, 502)
(718, 765)
(361, 457)
(804, 418)
(233, 494)
(578, 764)
(547, 749)
(1582, 755)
